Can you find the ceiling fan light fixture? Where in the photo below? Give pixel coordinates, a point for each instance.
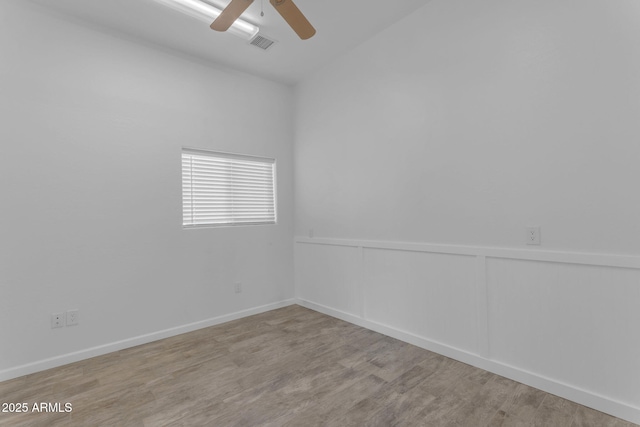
(207, 13)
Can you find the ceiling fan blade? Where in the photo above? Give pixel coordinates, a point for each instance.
(230, 14)
(294, 18)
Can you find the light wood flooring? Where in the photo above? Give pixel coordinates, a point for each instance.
(288, 367)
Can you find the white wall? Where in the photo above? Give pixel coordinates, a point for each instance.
(90, 191)
(468, 121)
(461, 125)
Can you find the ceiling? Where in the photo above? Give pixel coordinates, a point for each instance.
(341, 25)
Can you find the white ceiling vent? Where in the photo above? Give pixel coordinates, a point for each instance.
(262, 41)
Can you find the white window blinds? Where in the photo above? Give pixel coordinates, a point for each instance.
(221, 189)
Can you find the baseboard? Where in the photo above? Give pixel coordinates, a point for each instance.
(65, 359)
(592, 400)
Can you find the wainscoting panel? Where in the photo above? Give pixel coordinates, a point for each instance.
(566, 323)
(575, 323)
(426, 294)
(330, 276)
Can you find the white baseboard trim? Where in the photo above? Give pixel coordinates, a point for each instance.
(593, 400)
(65, 359)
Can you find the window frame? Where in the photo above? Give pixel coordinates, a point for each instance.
(232, 221)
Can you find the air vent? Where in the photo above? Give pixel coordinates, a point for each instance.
(262, 42)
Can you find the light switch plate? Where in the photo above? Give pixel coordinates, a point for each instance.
(57, 320)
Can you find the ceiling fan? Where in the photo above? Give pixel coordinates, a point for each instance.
(286, 8)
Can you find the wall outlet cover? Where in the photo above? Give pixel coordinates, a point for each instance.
(533, 236)
(73, 317)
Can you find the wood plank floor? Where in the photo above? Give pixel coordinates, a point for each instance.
(288, 367)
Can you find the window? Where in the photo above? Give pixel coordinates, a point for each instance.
(221, 189)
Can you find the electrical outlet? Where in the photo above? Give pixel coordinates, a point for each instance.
(72, 317)
(237, 287)
(57, 320)
(533, 236)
